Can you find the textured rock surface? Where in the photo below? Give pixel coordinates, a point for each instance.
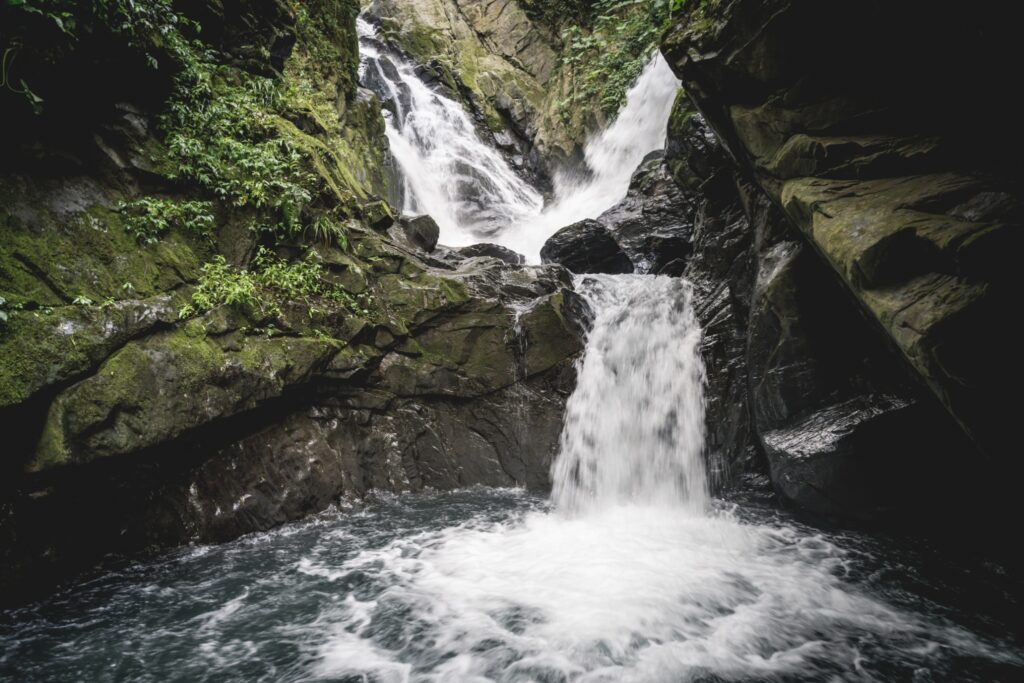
(653, 223)
(910, 194)
(800, 383)
(586, 247)
(494, 251)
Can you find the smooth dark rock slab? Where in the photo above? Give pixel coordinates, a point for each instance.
(494, 251)
(586, 247)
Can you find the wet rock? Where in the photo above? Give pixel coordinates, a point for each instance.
(422, 232)
(653, 224)
(586, 247)
(493, 251)
(799, 383)
(843, 460)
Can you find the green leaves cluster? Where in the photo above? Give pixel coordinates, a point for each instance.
(148, 218)
(271, 281)
(606, 54)
(223, 132)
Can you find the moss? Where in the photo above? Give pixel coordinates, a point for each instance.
(35, 352)
(51, 254)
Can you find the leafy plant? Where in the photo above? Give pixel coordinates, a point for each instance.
(270, 282)
(223, 134)
(148, 218)
(607, 53)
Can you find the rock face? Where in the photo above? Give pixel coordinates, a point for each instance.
(586, 247)
(136, 417)
(911, 195)
(800, 384)
(497, 251)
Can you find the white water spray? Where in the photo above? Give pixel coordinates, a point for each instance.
(470, 189)
(634, 426)
(633, 577)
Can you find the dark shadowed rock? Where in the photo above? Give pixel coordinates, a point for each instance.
(653, 224)
(586, 247)
(907, 192)
(795, 371)
(494, 251)
(422, 232)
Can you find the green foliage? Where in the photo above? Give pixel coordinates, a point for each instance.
(606, 54)
(270, 282)
(222, 132)
(148, 218)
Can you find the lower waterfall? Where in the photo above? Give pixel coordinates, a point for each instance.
(630, 572)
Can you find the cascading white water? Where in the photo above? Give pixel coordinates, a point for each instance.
(470, 189)
(448, 171)
(633, 576)
(634, 426)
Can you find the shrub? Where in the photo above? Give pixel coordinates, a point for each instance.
(149, 218)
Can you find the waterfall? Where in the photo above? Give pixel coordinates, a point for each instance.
(634, 426)
(472, 192)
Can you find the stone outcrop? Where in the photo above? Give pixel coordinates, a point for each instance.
(652, 224)
(908, 189)
(422, 231)
(801, 386)
(493, 251)
(586, 247)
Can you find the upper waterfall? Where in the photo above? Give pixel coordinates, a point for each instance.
(472, 192)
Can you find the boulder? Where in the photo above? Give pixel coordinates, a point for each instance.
(493, 251)
(653, 223)
(422, 231)
(586, 247)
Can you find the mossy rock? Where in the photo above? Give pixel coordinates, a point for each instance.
(155, 390)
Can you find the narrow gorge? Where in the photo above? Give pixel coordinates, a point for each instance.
(507, 340)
